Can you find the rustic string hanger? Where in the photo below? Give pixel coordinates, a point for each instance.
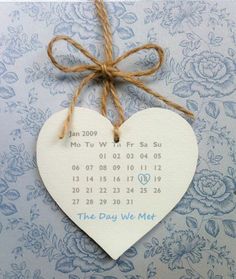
(108, 71)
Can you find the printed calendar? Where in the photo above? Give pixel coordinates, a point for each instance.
(124, 175)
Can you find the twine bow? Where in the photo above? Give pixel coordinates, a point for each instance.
(109, 71)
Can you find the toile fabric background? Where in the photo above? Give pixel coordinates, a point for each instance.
(197, 239)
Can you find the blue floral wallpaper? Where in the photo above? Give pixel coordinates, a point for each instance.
(198, 238)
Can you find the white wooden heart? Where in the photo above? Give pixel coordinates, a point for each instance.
(117, 192)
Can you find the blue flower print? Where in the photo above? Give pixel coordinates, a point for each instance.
(34, 240)
(7, 207)
(38, 190)
(57, 83)
(15, 163)
(17, 43)
(20, 271)
(9, 78)
(81, 19)
(78, 18)
(208, 74)
(84, 253)
(209, 193)
(33, 119)
(179, 14)
(182, 245)
(41, 11)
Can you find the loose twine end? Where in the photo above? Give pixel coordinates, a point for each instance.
(62, 133)
(61, 136)
(109, 71)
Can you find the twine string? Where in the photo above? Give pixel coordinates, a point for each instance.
(109, 71)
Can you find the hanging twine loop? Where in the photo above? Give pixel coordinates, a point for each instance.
(108, 71)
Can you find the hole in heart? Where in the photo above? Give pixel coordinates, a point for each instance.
(116, 137)
(116, 133)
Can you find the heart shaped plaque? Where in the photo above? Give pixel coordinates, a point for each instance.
(117, 192)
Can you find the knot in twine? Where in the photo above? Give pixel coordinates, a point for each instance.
(108, 71)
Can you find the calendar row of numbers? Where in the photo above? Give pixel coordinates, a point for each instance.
(102, 202)
(117, 190)
(129, 156)
(116, 167)
(117, 179)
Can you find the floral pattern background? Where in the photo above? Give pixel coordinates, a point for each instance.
(197, 239)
